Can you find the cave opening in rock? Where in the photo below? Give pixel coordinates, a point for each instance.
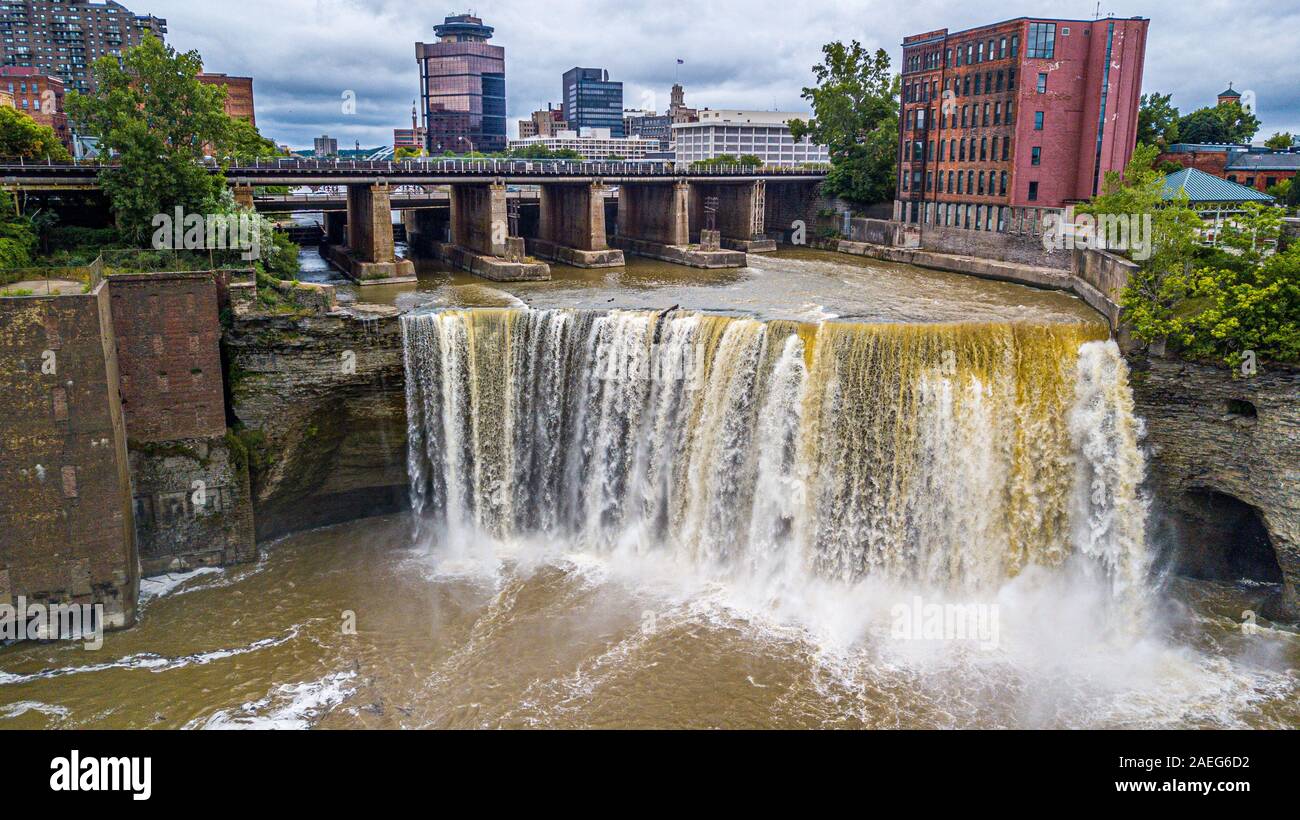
(1242, 408)
(1223, 538)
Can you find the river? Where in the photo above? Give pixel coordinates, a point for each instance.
(827, 492)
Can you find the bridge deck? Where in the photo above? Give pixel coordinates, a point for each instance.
(51, 176)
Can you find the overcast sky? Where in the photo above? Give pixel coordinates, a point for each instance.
(305, 54)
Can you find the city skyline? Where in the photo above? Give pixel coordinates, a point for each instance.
(300, 96)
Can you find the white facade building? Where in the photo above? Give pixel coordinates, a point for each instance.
(765, 134)
(592, 143)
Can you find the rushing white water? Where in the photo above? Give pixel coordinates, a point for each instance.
(947, 457)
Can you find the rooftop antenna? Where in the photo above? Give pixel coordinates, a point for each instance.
(1097, 14)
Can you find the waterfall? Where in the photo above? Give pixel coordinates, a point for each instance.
(949, 455)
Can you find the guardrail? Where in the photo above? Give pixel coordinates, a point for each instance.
(45, 278)
(513, 167)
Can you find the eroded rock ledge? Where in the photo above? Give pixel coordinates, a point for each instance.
(1225, 468)
(321, 407)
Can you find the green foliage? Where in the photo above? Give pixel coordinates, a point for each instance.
(1209, 303)
(407, 152)
(1280, 141)
(18, 238)
(855, 114)
(243, 142)
(1157, 120)
(280, 256)
(539, 151)
(748, 160)
(25, 138)
(1226, 122)
(151, 111)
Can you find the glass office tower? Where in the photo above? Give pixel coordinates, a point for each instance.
(463, 88)
(590, 100)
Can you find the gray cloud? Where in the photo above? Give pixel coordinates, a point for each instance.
(304, 54)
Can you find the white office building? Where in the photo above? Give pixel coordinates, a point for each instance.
(592, 143)
(765, 134)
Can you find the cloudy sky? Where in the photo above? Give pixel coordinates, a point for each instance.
(305, 54)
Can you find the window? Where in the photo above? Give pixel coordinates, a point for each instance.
(963, 150)
(1033, 192)
(986, 114)
(1036, 155)
(1003, 184)
(977, 84)
(1042, 41)
(1006, 149)
(1002, 48)
(1015, 45)
(979, 54)
(1042, 83)
(997, 113)
(1038, 120)
(984, 145)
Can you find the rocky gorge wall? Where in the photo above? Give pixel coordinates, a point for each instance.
(1224, 470)
(320, 404)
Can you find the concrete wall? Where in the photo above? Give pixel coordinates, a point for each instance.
(65, 492)
(479, 221)
(573, 216)
(655, 212)
(1021, 249)
(370, 223)
(1106, 273)
(741, 213)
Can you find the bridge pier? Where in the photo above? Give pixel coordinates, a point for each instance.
(741, 216)
(480, 237)
(244, 197)
(426, 230)
(571, 226)
(654, 221)
(368, 257)
(336, 227)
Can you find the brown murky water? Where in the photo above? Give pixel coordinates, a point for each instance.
(535, 637)
(364, 625)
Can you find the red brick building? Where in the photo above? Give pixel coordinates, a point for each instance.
(239, 95)
(1015, 117)
(1256, 167)
(38, 95)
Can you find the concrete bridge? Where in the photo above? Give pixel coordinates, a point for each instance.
(702, 218)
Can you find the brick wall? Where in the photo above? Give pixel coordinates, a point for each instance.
(169, 349)
(66, 532)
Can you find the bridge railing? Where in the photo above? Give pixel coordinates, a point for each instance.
(458, 167)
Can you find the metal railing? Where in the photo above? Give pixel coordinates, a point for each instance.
(449, 166)
(51, 281)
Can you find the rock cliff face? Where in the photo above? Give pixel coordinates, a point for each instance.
(321, 408)
(1225, 468)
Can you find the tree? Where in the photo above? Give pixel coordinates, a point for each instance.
(154, 115)
(25, 138)
(1162, 281)
(408, 152)
(1280, 141)
(1157, 120)
(1203, 126)
(244, 142)
(855, 114)
(17, 238)
(1225, 122)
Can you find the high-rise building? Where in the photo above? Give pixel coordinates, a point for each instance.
(63, 38)
(1028, 113)
(545, 122)
(463, 88)
(39, 96)
(239, 95)
(590, 100)
(325, 146)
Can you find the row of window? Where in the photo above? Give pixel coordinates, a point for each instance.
(970, 53)
(970, 183)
